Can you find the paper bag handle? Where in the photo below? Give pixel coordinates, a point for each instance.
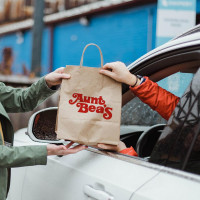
(81, 63)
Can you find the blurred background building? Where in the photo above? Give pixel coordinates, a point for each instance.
(124, 29)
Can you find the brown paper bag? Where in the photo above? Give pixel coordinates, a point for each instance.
(89, 109)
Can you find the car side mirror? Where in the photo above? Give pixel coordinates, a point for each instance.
(41, 126)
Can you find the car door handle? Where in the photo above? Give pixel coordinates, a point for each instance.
(97, 194)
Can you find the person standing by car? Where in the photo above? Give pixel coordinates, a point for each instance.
(22, 100)
(146, 90)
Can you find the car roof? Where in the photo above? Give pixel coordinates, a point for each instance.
(189, 32)
(187, 39)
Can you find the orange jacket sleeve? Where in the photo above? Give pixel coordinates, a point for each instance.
(129, 151)
(156, 97)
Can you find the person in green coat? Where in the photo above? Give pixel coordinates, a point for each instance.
(23, 100)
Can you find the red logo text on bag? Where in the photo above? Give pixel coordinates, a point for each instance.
(83, 102)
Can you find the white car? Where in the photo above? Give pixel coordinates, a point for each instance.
(168, 165)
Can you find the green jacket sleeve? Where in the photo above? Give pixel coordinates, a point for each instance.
(22, 100)
(22, 156)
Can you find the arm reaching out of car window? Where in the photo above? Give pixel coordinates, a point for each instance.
(146, 90)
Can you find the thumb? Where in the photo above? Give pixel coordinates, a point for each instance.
(62, 147)
(102, 146)
(65, 76)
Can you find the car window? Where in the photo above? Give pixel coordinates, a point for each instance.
(176, 83)
(136, 112)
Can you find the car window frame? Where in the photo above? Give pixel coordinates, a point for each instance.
(169, 63)
(125, 158)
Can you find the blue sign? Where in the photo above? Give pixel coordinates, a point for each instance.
(177, 4)
(173, 18)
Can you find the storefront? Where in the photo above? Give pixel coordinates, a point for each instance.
(124, 30)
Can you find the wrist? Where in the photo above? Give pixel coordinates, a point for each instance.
(47, 81)
(121, 146)
(136, 81)
(130, 79)
(49, 150)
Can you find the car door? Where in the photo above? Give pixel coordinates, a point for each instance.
(178, 146)
(90, 174)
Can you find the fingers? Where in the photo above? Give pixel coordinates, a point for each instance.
(116, 148)
(113, 65)
(113, 70)
(72, 150)
(57, 78)
(61, 147)
(109, 66)
(107, 73)
(107, 147)
(65, 76)
(102, 146)
(62, 74)
(76, 149)
(60, 70)
(69, 145)
(67, 150)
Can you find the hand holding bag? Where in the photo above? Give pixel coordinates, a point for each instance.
(89, 109)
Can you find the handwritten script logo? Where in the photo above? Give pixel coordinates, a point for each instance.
(84, 105)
